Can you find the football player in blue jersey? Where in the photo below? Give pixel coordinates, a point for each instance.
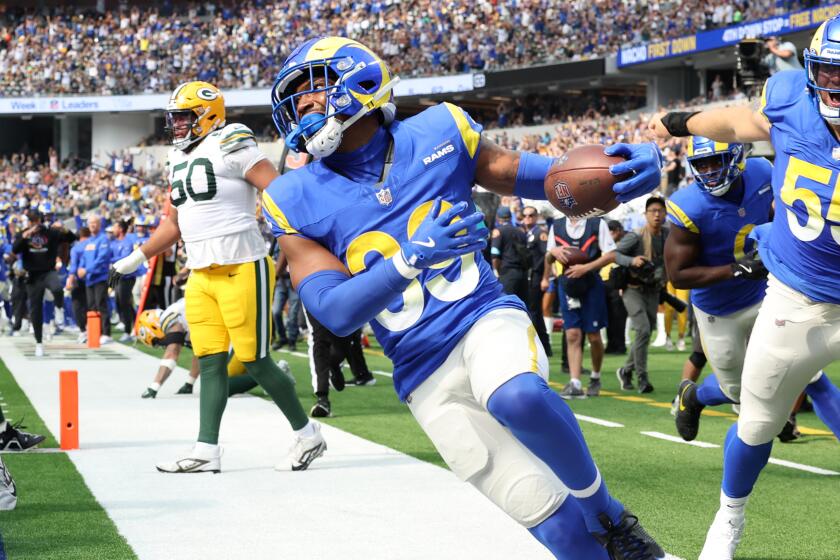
(381, 228)
(711, 254)
(797, 331)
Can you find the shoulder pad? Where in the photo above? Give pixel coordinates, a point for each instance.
(781, 91)
(681, 209)
(234, 137)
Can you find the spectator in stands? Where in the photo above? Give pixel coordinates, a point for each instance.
(782, 55)
(581, 294)
(38, 247)
(642, 254)
(93, 270)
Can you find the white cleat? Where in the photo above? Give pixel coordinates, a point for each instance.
(203, 458)
(105, 339)
(723, 536)
(305, 450)
(39, 350)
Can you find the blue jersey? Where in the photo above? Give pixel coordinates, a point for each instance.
(723, 227)
(802, 245)
(435, 154)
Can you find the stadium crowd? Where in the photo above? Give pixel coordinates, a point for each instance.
(61, 50)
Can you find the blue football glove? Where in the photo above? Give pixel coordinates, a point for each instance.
(644, 161)
(437, 238)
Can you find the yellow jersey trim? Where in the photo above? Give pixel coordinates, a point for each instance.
(470, 137)
(277, 214)
(683, 218)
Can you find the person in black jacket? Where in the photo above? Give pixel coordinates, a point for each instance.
(38, 246)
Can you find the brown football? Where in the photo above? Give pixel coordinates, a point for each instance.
(579, 184)
(576, 256)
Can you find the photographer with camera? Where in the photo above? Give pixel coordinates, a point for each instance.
(37, 247)
(781, 55)
(641, 256)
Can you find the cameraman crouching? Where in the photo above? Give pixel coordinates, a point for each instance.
(38, 246)
(641, 253)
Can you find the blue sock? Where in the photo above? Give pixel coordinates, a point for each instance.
(826, 397)
(742, 464)
(710, 394)
(566, 536)
(543, 422)
(7, 306)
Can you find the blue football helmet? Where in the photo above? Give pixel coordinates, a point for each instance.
(715, 165)
(5, 207)
(355, 82)
(822, 64)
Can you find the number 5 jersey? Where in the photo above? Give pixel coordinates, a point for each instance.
(216, 205)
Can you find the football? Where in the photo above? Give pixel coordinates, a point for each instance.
(576, 256)
(579, 184)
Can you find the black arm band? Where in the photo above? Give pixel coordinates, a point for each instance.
(172, 338)
(676, 122)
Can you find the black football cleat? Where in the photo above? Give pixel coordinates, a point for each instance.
(321, 409)
(186, 389)
(790, 432)
(687, 417)
(337, 381)
(628, 540)
(13, 438)
(149, 393)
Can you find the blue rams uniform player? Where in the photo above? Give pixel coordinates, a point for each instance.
(382, 229)
(797, 331)
(711, 254)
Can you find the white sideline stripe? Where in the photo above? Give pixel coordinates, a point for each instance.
(675, 439)
(36, 450)
(274, 514)
(801, 467)
(598, 421)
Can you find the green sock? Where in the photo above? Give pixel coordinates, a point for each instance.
(280, 387)
(213, 397)
(241, 384)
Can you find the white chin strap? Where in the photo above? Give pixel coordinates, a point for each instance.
(720, 190)
(327, 140)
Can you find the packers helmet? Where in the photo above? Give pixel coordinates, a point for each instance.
(715, 165)
(354, 80)
(204, 107)
(822, 63)
(148, 327)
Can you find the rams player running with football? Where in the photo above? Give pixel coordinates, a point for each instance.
(797, 331)
(215, 171)
(382, 229)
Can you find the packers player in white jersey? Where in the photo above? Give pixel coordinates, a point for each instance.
(215, 171)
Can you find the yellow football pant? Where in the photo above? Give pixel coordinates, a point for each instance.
(230, 305)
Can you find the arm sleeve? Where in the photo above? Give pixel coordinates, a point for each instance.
(605, 240)
(625, 249)
(550, 243)
(344, 304)
(74, 262)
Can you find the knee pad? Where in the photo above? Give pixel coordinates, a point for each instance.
(698, 359)
(759, 432)
(480, 451)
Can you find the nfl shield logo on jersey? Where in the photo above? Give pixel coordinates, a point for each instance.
(384, 197)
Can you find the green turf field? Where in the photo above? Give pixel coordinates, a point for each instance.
(57, 517)
(674, 488)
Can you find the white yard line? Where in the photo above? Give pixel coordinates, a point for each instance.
(598, 421)
(801, 467)
(361, 501)
(676, 439)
